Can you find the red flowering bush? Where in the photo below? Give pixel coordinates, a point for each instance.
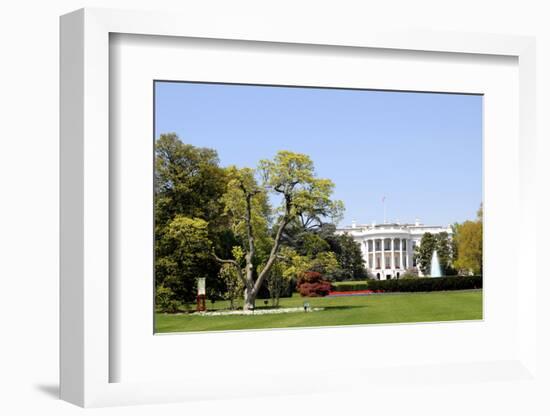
(312, 284)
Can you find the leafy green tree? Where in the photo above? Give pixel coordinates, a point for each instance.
(313, 240)
(277, 282)
(325, 263)
(349, 256)
(423, 252)
(188, 183)
(234, 285)
(291, 176)
(311, 244)
(468, 245)
(189, 247)
(469, 241)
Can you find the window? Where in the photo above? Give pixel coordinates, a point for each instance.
(378, 261)
(397, 255)
(387, 261)
(377, 244)
(396, 244)
(404, 245)
(387, 243)
(369, 245)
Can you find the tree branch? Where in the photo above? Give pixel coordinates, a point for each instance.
(272, 254)
(229, 261)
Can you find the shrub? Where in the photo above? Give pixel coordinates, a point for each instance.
(427, 284)
(165, 301)
(312, 284)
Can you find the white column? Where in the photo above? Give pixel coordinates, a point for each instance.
(382, 257)
(392, 247)
(374, 248)
(373, 254)
(365, 250)
(404, 254)
(369, 265)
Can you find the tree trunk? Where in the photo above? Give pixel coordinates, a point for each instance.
(249, 299)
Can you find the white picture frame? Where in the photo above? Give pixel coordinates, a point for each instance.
(85, 351)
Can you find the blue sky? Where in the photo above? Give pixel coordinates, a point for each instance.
(422, 151)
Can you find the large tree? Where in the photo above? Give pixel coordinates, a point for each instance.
(189, 183)
(189, 246)
(468, 239)
(291, 178)
(424, 251)
(348, 253)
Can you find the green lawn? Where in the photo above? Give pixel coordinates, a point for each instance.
(351, 310)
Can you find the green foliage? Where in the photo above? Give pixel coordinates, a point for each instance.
(165, 300)
(189, 185)
(350, 286)
(187, 241)
(423, 252)
(291, 176)
(441, 243)
(427, 284)
(469, 241)
(311, 241)
(246, 204)
(277, 283)
(349, 256)
(233, 283)
(444, 252)
(325, 263)
(310, 244)
(295, 265)
(188, 181)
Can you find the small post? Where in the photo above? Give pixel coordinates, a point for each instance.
(201, 294)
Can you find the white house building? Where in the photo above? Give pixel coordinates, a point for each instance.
(388, 248)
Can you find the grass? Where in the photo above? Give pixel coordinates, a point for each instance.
(351, 310)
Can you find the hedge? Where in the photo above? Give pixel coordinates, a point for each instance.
(349, 286)
(426, 284)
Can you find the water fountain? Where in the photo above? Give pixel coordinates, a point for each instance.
(435, 268)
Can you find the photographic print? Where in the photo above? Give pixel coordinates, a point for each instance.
(289, 206)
